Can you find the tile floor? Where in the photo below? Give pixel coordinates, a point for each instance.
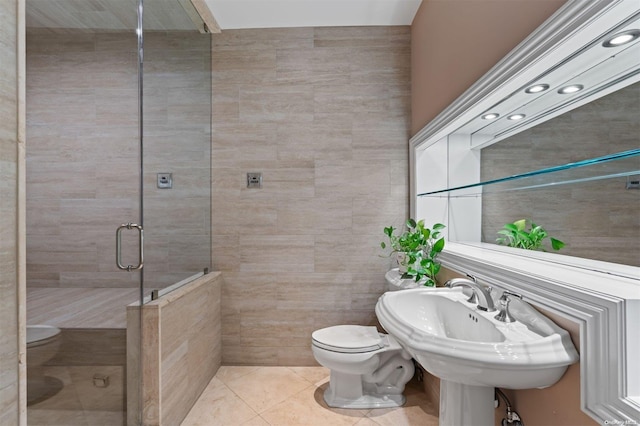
(292, 396)
(79, 402)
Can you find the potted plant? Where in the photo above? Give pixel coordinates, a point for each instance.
(516, 235)
(416, 250)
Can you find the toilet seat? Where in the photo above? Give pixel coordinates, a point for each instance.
(41, 334)
(349, 339)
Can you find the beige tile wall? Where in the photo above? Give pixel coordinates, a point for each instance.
(12, 374)
(598, 219)
(324, 114)
(177, 139)
(83, 156)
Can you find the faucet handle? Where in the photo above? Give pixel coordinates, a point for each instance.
(506, 294)
(504, 315)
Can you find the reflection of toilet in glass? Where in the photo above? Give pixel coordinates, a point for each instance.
(43, 342)
(368, 369)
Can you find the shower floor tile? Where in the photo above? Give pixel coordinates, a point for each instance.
(292, 396)
(79, 402)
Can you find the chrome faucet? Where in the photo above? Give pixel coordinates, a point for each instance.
(483, 297)
(504, 315)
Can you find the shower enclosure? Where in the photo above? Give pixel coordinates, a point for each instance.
(118, 187)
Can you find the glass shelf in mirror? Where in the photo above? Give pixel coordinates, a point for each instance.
(617, 165)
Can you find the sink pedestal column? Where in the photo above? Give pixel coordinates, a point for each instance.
(466, 405)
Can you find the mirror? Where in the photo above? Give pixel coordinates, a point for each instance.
(596, 218)
(553, 166)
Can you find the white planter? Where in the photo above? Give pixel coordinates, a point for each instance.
(401, 259)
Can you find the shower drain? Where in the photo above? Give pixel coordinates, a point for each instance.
(100, 380)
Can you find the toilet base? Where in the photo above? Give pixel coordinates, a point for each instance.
(41, 388)
(366, 399)
(364, 402)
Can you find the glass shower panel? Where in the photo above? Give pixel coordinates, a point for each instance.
(82, 184)
(85, 167)
(177, 143)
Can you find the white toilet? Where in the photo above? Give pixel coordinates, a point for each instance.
(368, 369)
(43, 342)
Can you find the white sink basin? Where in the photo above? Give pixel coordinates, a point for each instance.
(471, 351)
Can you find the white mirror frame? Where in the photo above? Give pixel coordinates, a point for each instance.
(603, 298)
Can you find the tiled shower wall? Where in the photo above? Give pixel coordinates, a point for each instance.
(597, 219)
(83, 156)
(323, 114)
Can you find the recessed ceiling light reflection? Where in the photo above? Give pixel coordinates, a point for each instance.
(516, 117)
(490, 116)
(621, 38)
(537, 88)
(571, 89)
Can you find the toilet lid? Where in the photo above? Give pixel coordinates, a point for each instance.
(37, 333)
(349, 338)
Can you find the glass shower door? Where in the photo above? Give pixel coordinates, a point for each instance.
(108, 154)
(175, 115)
(176, 147)
(82, 183)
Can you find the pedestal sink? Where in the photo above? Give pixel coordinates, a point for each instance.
(472, 352)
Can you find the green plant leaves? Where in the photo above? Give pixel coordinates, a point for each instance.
(438, 246)
(556, 244)
(421, 246)
(389, 231)
(516, 235)
(520, 224)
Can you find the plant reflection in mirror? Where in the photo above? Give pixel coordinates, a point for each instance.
(420, 246)
(516, 235)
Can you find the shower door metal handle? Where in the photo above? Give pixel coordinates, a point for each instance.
(119, 247)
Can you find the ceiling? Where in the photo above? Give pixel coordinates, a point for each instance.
(235, 14)
(229, 14)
